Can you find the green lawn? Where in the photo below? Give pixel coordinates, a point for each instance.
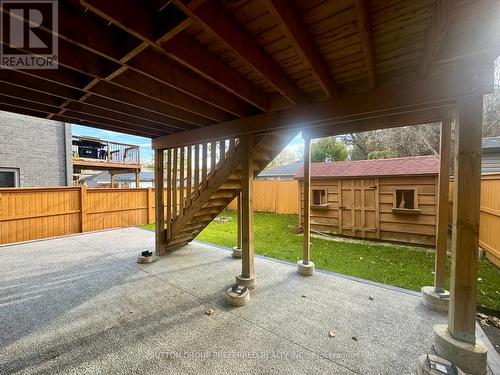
(402, 266)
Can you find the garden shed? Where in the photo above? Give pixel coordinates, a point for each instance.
(388, 199)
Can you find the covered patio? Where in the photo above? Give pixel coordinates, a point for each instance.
(221, 87)
(82, 304)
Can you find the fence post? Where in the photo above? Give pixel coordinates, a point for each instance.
(83, 199)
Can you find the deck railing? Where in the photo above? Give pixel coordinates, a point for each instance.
(98, 150)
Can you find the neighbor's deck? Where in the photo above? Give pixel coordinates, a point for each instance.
(81, 304)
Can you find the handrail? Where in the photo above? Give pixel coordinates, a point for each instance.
(99, 150)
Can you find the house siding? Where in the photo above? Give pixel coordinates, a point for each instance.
(490, 162)
(40, 149)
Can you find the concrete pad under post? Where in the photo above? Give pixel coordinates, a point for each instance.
(238, 295)
(470, 358)
(424, 367)
(146, 259)
(249, 282)
(305, 269)
(435, 300)
(237, 252)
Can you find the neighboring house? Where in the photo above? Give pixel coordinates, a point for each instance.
(282, 172)
(491, 155)
(34, 152)
(123, 180)
(386, 199)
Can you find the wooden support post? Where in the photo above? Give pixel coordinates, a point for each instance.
(442, 215)
(181, 182)
(137, 179)
(307, 200)
(174, 184)
(247, 277)
(150, 200)
(305, 267)
(204, 161)
(112, 180)
(466, 204)
(238, 244)
(169, 192)
(159, 208)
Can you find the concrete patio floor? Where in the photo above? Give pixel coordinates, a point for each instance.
(82, 304)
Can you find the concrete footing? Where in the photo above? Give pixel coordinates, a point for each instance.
(470, 358)
(239, 296)
(305, 269)
(436, 301)
(142, 259)
(433, 368)
(249, 282)
(237, 252)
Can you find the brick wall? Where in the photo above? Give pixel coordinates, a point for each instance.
(41, 149)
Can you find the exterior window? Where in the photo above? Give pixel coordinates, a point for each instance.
(9, 177)
(318, 197)
(405, 200)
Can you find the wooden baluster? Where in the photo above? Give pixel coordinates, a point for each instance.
(189, 186)
(204, 163)
(222, 150)
(174, 185)
(159, 209)
(213, 156)
(232, 144)
(197, 168)
(169, 191)
(181, 182)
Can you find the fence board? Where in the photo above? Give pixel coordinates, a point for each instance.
(277, 196)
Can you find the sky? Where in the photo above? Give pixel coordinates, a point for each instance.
(296, 145)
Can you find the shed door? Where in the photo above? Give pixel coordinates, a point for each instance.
(358, 207)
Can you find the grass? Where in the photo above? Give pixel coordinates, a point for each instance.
(402, 266)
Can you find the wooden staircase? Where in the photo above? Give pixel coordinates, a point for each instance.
(194, 200)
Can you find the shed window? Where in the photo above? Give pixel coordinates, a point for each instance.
(405, 200)
(9, 177)
(318, 197)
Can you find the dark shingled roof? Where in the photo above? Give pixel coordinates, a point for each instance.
(285, 170)
(380, 167)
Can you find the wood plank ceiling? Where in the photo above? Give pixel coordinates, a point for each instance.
(158, 67)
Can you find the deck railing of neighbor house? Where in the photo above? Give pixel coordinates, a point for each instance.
(98, 150)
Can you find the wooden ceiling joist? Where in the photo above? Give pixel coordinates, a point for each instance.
(297, 32)
(364, 25)
(183, 50)
(436, 33)
(214, 17)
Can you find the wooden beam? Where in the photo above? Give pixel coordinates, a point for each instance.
(364, 25)
(214, 17)
(307, 200)
(182, 49)
(188, 52)
(160, 238)
(291, 23)
(435, 34)
(466, 206)
(238, 237)
(442, 214)
(247, 249)
(431, 92)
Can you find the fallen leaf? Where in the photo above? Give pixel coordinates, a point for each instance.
(370, 298)
(331, 334)
(354, 338)
(209, 312)
(303, 296)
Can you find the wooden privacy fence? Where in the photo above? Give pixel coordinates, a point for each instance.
(33, 213)
(489, 228)
(278, 196)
